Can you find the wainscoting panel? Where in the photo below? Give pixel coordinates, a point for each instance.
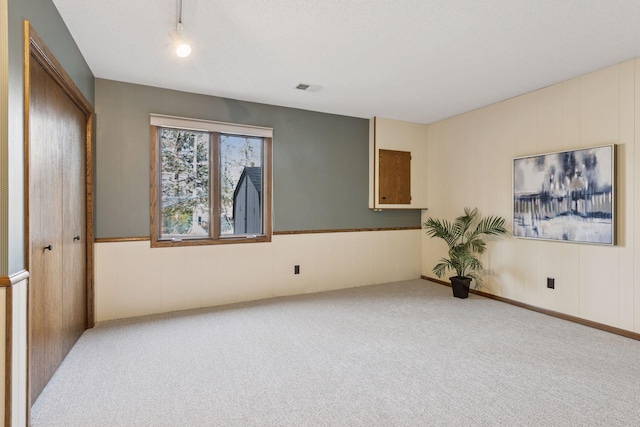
(3, 347)
(19, 354)
(131, 279)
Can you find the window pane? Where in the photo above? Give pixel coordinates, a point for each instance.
(241, 186)
(185, 183)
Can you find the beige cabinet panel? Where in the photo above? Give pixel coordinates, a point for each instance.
(397, 164)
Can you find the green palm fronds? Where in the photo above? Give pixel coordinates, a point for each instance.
(464, 242)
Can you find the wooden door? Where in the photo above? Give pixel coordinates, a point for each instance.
(45, 225)
(394, 177)
(74, 290)
(57, 287)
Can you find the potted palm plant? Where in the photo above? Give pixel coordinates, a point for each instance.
(464, 238)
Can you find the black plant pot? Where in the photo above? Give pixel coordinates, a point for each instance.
(460, 286)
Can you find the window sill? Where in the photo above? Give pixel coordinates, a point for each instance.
(155, 243)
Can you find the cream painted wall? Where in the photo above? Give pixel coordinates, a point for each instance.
(470, 164)
(131, 279)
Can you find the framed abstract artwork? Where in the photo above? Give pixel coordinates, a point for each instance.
(566, 196)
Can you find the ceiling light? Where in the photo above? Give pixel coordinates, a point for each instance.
(182, 48)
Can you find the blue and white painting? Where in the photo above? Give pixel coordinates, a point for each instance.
(565, 196)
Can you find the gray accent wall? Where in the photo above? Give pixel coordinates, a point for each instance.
(46, 21)
(320, 161)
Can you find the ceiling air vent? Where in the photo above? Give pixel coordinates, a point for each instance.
(308, 87)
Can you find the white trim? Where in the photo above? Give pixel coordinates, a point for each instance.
(209, 126)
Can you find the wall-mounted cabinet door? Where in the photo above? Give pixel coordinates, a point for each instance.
(394, 177)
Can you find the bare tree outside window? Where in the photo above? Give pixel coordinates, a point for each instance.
(185, 183)
(240, 184)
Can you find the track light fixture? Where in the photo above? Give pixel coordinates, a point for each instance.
(182, 48)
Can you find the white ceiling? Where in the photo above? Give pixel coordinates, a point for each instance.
(415, 60)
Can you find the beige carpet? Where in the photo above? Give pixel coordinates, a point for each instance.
(399, 354)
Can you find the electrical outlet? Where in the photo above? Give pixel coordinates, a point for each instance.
(296, 269)
(551, 283)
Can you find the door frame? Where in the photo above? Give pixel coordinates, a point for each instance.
(36, 49)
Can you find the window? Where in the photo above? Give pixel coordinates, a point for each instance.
(210, 182)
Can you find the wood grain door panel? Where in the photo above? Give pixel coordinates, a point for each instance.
(73, 236)
(45, 223)
(394, 178)
(57, 287)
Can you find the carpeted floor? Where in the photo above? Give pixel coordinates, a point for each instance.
(398, 354)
